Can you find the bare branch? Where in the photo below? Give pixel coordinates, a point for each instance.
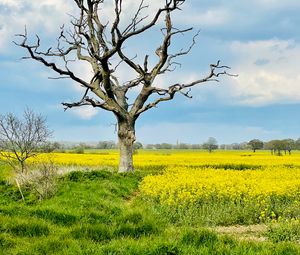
(173, 89)
(34, 54)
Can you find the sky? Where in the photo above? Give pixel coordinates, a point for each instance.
(258, 39)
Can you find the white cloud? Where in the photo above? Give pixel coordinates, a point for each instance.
(204, 18)
(268, 72)
(271, 4)
(39, 16)
(85, 112)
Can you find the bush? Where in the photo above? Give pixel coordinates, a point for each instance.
(79, 150)
(42, 181)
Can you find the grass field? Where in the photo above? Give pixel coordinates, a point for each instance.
(177, 202)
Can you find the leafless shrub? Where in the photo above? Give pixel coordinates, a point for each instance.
(41, 181)
(21, 138)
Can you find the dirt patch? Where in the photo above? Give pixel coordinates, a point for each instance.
(251, 232)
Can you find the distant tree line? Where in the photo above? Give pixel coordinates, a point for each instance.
(276, 147)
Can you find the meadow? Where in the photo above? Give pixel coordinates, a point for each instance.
(176, 202)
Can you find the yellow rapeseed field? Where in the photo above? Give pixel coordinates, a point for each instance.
(180, 185)
(182, 158)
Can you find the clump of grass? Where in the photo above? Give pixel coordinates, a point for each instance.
(6, 242)
(133, 217)
(97, 233)
(78, 176)
(283, 232)
(99, 217)
(55, 217)
(54, 246)
(29, 229)
(165, 248)
(136, 230)
(200, 237)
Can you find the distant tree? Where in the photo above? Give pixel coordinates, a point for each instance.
(166, 146)
(106, 145)
(256, 144)
(50, 147)
(21, 138)
(183, 146)
(270, 146)
(277, 146)
(223, 146)
(150, 146)
(137, 146)
(195, 146)
(211, 144)
(289, 145)
(235, 146)
(297, 144)
(79, 149)
(157, 146)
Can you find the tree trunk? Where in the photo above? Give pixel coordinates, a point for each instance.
(126, 136)
(23, 167)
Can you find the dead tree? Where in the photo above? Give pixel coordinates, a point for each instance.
(101, 45)
(20, 139)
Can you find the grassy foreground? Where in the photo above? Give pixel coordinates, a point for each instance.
(100, 212)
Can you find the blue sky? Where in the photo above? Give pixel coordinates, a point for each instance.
(259, 39)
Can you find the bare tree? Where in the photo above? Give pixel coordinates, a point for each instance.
(101, 45)
(21, 138)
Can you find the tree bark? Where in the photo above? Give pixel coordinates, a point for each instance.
(126, 135)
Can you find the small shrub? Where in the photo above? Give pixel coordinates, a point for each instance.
(42, 181)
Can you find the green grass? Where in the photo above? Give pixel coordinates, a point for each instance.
(284, 232)
(214, 212)
(100, 212)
